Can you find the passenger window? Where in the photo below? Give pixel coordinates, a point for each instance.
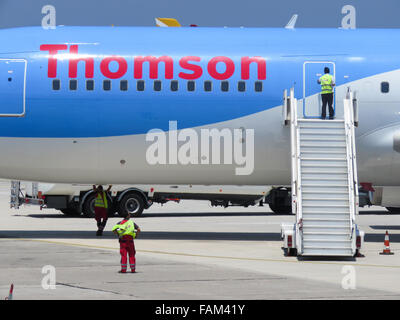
(106, 85)
(242, 86)
(140, 85)
(190, 85)
(73, 84)
(123, 85)
(207, 86)
(258, 86)
(90, 85)
(174, 85)
(157, 85)
(56, 84)
(225, 86)
(384, 87)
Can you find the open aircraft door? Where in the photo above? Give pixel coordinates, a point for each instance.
(12, 87)
(312, 103)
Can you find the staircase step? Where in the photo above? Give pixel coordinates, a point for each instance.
(327, 221)
(335, 252)
(322, 144)
(323, 139)
(314, 183)
(326, 226)
(314, 229)
(319, 151)
(326, 210)
(335, 215)
(322, 159)
(326, 203)
(325, 243)
(327, 236)
(329, 173)
(323, 165)
(323, 131)
(314, 122)
(338, 196)
(324, 190)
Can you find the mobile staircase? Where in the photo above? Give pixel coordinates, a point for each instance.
(324, 183)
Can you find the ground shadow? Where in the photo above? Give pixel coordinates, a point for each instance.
(193, 214)
(170, 235)
(167, 215)
(377, 212)
(145, 235)
(326, 258)
(385, 227)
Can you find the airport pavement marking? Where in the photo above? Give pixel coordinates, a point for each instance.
(210, 256)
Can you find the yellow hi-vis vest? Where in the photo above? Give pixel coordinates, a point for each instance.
(125, 229)
(99, 202)
(326, 83)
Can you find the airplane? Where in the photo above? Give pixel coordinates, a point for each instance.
(148, 105)
(167, 22)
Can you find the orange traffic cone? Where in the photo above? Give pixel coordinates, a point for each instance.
(387, 245)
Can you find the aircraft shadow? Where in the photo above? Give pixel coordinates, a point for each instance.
(196, 214)
(385, 227)
(378, 212)
(169, 214)
(171, 235)
(145, 235)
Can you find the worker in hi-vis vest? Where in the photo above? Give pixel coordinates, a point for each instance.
(127, 231)
(327, 83)
(101, 208)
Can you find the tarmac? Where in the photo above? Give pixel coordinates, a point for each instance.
(187, 251)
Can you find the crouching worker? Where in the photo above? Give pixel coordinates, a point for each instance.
(127, 231)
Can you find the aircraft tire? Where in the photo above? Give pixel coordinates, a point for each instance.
(132, 203)
(88, 206)
(280, 209)
(393, 210)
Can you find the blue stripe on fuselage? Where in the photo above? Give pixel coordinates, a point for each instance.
(59, 114)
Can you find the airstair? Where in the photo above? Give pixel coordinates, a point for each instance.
(324, 183)
(18, 198)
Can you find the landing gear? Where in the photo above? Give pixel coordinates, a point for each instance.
(132, 203)
(279, 200)
(280, 208)
(88, 206)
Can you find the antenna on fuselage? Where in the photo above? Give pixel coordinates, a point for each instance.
(292, 22)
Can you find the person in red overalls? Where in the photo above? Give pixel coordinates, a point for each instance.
(101, 208)
(127, 231)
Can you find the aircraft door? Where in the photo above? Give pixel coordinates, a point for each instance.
(312, 103)
(12, 87)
